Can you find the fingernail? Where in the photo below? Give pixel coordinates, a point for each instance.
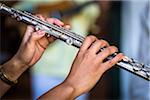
(41, 32)
(59, 23)
(67, 27)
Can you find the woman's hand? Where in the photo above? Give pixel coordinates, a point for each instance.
(32, 47)
(87, 69)
(35, 42)
(89, 65)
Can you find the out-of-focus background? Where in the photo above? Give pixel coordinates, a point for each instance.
(125, 24)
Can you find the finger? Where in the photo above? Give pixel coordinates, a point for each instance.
(106, 52)
(95, 47)
(113, 61)
(67, 27)
(30, 29)
(41, 17)
(51, 39)
(54, 21)
(45, 41)
(28, 33)
(58, 22)
(87, 42)
(36, 36)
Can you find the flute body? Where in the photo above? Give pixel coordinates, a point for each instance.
(73, 39)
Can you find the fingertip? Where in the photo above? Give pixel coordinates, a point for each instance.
(104, 42)
(58, 22)
(41, 32)
(67, 27)
(121, 56)
(30, 28)
(115, 48)
(115, 60)
(37, 35)
(40, 16)
(55, 21)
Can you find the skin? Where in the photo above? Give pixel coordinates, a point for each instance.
(31, 49)
(86, 69)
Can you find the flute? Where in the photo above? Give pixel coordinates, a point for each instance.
(73, 39)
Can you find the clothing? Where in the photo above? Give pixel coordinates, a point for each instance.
(136, 44)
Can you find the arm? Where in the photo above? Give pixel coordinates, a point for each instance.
(86, 70)
(32, 47)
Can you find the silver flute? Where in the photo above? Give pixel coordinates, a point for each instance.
(73, 39)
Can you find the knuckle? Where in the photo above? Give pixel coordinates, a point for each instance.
(49, 19)
(91, 37)
(57, 20)
(107, 51)
(88, 54)
(96, 43)
(88, 39)
(110, 62)
(104, 42)
(99, 41)
(113, 48)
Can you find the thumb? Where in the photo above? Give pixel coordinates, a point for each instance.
(30, 29)
(36, 36)
(27, 34)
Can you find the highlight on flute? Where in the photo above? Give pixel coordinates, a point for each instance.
(35, 41)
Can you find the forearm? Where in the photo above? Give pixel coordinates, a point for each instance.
(3, 88)
(61, 92)
(12, 69)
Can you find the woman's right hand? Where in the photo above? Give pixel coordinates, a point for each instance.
(89, 65)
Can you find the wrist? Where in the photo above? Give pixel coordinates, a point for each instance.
(63, 91)
(69, 90)
(14, 68)
(75, 91)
